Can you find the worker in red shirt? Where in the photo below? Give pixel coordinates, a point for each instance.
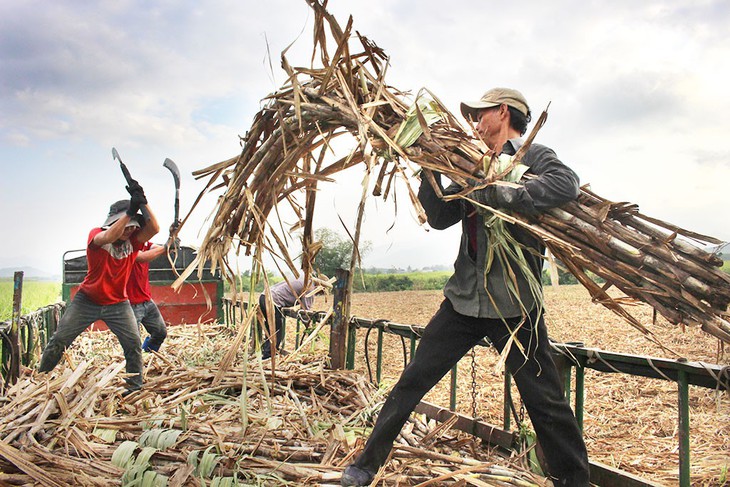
(145, 310)
(110, 253)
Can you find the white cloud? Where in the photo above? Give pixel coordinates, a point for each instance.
(638, 95)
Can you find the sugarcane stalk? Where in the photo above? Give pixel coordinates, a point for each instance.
(661, 250)
(642, 224)
(670, 303)
(638, 259)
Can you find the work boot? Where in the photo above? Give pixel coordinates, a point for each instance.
(356, 476)
(127, 392)
(146, 347)
(267, 353)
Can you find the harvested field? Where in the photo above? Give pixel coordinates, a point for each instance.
(301, 428)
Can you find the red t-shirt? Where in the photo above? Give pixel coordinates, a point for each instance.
(138, 286)
(109, 268)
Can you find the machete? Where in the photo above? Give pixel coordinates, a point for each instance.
(169, 164)
(125, 171)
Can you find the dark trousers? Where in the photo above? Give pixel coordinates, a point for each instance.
(81, 313)
(149, 316)
(278, 324)
(447, 338)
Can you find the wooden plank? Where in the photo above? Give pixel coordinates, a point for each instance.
(603, 475)
(14, 372)
(487, 432)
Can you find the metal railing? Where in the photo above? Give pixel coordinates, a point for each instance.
(34, 331)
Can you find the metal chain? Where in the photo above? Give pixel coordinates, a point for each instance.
(474, 382)
(522, 412)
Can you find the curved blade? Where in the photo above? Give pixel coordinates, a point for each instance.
(169, 164)
(125, 171)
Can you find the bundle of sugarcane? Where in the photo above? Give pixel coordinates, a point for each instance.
(189, 423)
(285, 152)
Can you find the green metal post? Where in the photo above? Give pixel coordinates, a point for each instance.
(65, 292)
(567, 373)
(380, 355)
(413, 345)
(351, 344)
(220, 291)
(683, 393)
(296, 337)
(506, 423)
(452, 395)
(580, 380)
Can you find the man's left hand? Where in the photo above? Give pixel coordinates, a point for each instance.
(173, 243)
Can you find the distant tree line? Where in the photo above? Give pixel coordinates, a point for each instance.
(336, 252)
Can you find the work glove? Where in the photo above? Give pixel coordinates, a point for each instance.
(136, 192)
(133, 208)
(172, 243)
(138, 197)
(133, 186)
(506, 197)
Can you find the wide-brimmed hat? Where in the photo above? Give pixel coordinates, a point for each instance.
(116, 210)
(494, 98)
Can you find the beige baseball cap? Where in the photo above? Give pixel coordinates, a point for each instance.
(493, 98)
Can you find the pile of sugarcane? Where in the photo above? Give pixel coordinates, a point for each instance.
(289, 150)
(190, 425)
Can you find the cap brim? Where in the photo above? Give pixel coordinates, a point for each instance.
(469, 109)
(112, 218)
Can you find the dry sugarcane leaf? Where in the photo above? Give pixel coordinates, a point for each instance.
(348, 94)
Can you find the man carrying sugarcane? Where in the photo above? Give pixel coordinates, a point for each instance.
(495, 292)
(110, 252)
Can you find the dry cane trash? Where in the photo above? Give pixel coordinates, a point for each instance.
(300, 426)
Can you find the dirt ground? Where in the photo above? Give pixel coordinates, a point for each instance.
(630, 423)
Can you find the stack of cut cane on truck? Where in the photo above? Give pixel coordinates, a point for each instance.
(289, 150)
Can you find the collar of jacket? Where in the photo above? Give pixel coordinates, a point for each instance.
(512, 146)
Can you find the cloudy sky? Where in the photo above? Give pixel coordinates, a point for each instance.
(638, 95)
